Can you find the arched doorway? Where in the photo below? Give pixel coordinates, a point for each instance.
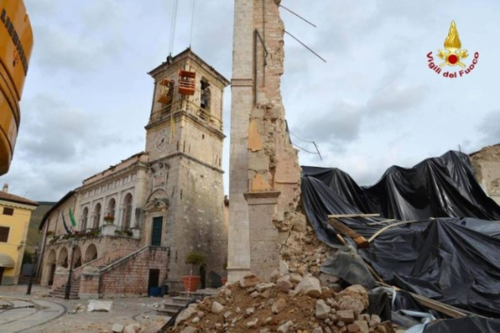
(50, 267)
(62, 258)
(77, 257)
(90, 253)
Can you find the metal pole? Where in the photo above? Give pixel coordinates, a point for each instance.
(30, 283)
(68, 284)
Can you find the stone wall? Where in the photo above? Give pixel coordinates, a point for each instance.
(132, 277)
(108, 250)
(199, 218)
(486, 163)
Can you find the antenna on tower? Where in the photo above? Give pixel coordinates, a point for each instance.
(192, 24)
(172, 26)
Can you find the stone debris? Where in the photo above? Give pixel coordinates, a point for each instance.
(79, 308)
(132, 328)
(308, 307)
(217, 307)
(309, 286)
(117, 328)
(99, 306)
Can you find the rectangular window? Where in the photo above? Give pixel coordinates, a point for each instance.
(4, 234)
(8, 211)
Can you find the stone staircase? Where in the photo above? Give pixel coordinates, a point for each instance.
(173, 304)
(61, 291)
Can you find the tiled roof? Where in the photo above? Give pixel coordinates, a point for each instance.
(15, 198)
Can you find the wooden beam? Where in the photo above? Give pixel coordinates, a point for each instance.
(338, 216)
(360, 241)
(448, 310)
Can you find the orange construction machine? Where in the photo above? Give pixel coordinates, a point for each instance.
(16, 43)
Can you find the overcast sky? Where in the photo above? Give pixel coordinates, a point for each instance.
(375, 103)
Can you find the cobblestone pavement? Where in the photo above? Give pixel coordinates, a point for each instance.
(41, 314)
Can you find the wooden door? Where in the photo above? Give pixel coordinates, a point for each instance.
(156, 231)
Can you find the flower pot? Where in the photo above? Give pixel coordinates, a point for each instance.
(191, 282)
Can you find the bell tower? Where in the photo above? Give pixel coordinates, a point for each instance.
(184, 195)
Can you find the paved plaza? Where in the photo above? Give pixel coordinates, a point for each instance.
(38, 313)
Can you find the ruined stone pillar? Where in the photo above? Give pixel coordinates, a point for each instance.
(241, 106)
(268, 163)
(264, 237)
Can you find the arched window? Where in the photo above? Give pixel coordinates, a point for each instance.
(111, 207)
(206, 96)
(85, 217)
(97, 216)
(127, 211)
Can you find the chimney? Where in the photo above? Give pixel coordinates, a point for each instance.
(5, 188)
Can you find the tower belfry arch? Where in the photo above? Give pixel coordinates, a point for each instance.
(264, 171)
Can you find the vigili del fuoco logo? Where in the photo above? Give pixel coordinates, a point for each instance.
(453, 55)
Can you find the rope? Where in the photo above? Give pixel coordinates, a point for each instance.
(172, 26)
(192, 24)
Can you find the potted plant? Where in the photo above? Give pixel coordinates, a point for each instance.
(109, 219)
(191, 281)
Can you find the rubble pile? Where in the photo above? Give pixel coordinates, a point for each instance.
(289, 303)
(302, 252)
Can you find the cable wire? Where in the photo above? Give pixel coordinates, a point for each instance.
(314, 143)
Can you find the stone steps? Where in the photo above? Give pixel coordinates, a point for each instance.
(61, 291)
(173, 305)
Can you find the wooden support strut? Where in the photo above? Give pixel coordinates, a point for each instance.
(360, 241)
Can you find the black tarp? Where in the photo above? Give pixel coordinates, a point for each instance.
(444, 186)
(453, 259)
(466, 325)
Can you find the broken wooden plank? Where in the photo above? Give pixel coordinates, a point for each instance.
(375, 235)
(360, 241)
(338, 216)
(446, 309)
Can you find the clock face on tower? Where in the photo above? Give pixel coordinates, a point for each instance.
(162, 139)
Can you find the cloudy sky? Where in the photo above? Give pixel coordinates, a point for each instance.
(375, 103)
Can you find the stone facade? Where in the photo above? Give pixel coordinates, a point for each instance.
(153, 208)
(264, 165)
(486, 163)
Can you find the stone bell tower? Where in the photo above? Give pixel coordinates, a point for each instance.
(183, 206)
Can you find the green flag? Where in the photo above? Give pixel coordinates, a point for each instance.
(72, 218)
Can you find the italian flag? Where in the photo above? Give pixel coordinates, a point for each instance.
(72, 218)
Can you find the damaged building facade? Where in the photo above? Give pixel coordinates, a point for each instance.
(486, 163)
(135, 222)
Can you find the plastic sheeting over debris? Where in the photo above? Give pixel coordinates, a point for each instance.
(447, 250)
